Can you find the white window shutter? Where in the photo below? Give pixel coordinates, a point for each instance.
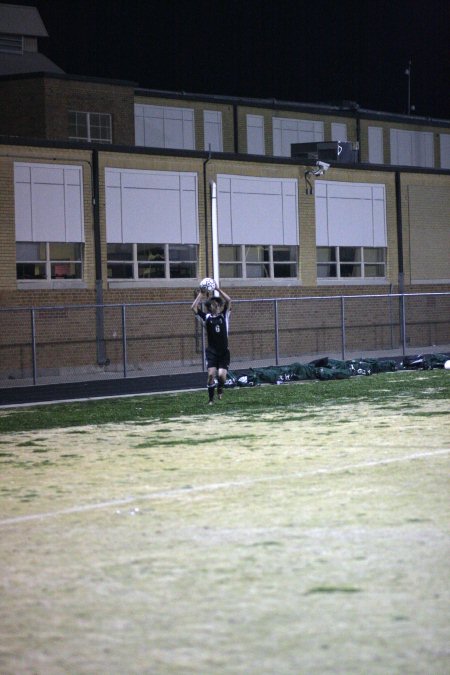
(257, 210)
(445, 150)
(375, 138)
(255, 135)
(49, 202)
(350, 214)
(151, 207)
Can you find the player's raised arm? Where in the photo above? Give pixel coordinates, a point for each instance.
(224, 296)
(198, 300)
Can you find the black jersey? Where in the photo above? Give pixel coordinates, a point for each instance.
(216, 329)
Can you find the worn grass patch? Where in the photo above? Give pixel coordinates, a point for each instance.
(145, 410)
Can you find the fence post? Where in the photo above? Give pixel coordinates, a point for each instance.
(33, 346)
(124, 340)
(343, 326)
(277, 355)
(403, 320)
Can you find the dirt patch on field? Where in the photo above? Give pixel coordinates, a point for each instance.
(301, 541)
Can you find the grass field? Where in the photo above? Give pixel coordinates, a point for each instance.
(298, 529)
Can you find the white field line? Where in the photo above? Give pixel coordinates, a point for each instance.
(181, 492)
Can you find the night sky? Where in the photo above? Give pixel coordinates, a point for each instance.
(291, 50)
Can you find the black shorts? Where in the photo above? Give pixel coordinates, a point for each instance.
(215, 360)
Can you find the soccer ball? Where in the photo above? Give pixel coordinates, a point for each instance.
(207, 285)
(447, 365)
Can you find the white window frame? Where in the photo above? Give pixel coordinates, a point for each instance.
(418, 146)
(362, 263)
(48, 282)
(244, 263)
(287, 130)
(89, 120)
(135, 281)
(184, 118)
(49, 207)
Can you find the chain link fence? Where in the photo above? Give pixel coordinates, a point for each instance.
(46, 345)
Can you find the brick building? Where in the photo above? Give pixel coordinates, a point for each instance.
(110, 193)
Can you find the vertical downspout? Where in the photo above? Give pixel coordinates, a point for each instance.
(99, 318)
(205, 203)
(401, 274)
(214, 232)
(398, 206)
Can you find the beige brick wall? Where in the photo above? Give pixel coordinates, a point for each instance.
(62, 96)
(10, 295)
(426, 231)
(22, 108)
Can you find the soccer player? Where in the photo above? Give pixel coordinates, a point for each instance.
(217, 352)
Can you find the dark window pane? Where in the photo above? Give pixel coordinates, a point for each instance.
(229, 253)
(63, 270)
(120, 271)
(187, 252)
(150, 252)
(151, 271)
(231, 270)
(284, 254)
(65, 251)
(28, 251)
(350, 270)
(326, 271)
(184, 270)
(258, 271)
(30, 271)
(374, 270)
(349, 254)
(120, 252)
(326, 254)
(374, 255)
(280, 270)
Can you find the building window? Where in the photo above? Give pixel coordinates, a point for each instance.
(412, 148)
(91, 127)
(11, 44)
(255, 135)
(48, 260)
(152, 261)
(164, 127)
(343, 262)
(258, 262)
(287, 131)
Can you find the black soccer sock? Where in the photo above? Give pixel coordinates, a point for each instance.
(211, 388)
(220, 386)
